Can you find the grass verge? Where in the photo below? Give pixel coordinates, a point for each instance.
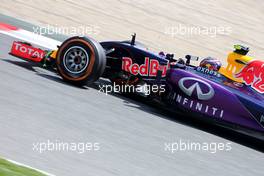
(9, 169)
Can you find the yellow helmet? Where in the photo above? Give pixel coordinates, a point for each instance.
(236, 60)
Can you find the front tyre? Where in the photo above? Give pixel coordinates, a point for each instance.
(80, 60)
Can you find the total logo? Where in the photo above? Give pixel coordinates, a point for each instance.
(27, 52)
(149, 68)
(190, 86)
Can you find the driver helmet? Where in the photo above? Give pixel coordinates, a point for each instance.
(211, 63)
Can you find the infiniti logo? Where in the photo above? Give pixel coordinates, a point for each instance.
(262, 119)
(195, 85)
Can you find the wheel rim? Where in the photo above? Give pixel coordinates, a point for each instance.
(75, 59)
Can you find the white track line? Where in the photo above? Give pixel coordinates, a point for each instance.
(32, 38)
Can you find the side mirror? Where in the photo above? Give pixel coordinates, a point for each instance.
(109, 51)
(189, 58)
(133, 40)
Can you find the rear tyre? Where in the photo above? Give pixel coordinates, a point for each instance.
(80, 60)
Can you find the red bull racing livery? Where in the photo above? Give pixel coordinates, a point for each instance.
(232, 95)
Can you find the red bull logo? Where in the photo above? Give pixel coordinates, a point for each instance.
(253, 74)
(149, 68)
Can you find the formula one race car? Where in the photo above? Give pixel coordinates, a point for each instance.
(231, 95)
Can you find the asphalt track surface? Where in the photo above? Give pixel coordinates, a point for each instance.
(36, 105)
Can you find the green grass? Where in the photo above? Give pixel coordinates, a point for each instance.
(9, 169)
